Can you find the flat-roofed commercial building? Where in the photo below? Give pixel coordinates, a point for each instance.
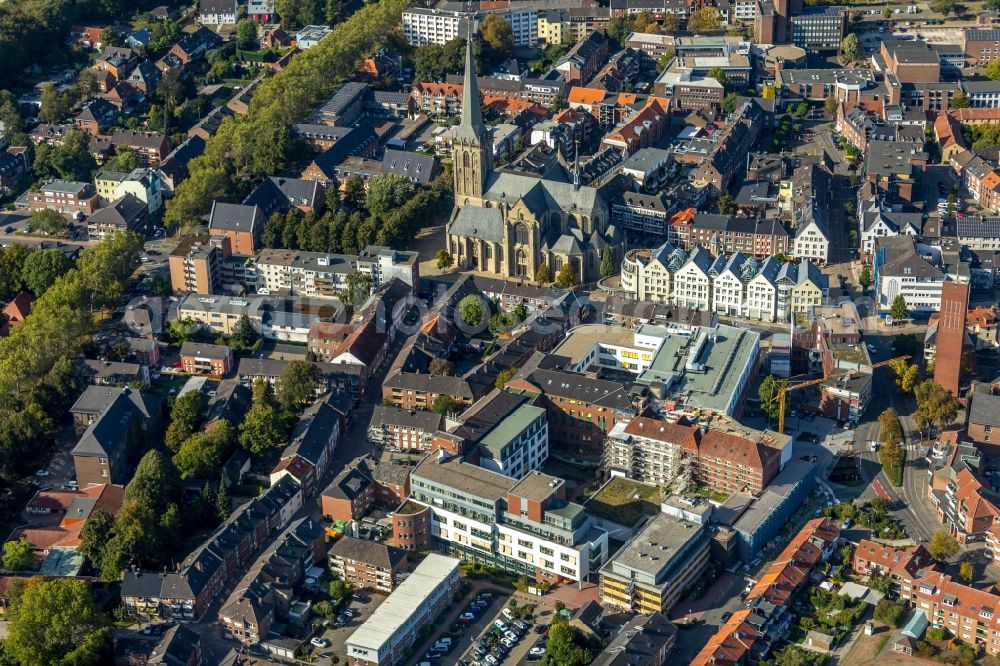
(650, 572)
(394, 626)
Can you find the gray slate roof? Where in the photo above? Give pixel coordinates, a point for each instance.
(474, 222)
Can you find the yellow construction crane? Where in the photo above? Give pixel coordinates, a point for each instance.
(785, 390)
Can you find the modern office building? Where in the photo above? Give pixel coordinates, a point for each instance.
(650, 572)
(524, 527)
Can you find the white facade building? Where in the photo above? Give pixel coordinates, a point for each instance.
(438, 26)
(729, 287)
(811, 242)
(517, 445)
(692, 284)
(146, 186)
(762, 292)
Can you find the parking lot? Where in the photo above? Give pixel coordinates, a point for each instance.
(500, 636)
(338, 635)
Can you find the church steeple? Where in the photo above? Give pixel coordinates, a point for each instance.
(472, 144)
(471, 127)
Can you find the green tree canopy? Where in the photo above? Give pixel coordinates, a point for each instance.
(729, 102)
(444, 259)
(769, 394)
(204, 452)
(444, 404)
(261, 429)
(243, 336)
(18, 555)
(298, 384)
(49, 221)
(498, 37)
(959, 101)
(607, 262)
(705, 19)
(865, 278)
(42, 268)
(473, 310)
(566, 277)
(56, 623)
(898, 309)
(943, 545)
(850, 47)
(543, 275)
(94, 534)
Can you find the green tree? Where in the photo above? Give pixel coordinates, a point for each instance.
(56, 623)
(48, 221)
(498, 37)
(830, 106)
(339, 591)
(472, 309)
(943, 545)
(664, 61)
(261, 430)
(886, 12)
(865, 279)
(243, 336)
(566, 278)
(42, 268)
(850, 47)
(769, 394)
(543, 275)
(223, 504)
(388, 192)
(992, 70)
(718, 73)
(298, 384)
(18, 555)
(898, 309)
(94, 534)
(607, 262)
(357, 289)
(705, 19)
(86, 84)
(11, 119)
(729, 102)
(202, 454)
(505, 376)
(727, 204)
(562, 649)
(889, 612)
(295, 14)
(444, 259)
(444, 404)
(125, 161)
(54, 104)
(441, 367)
(966, 572)
(959, 101)
(943, 6)
(246, 34)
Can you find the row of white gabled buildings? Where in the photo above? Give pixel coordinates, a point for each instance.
(738, 285)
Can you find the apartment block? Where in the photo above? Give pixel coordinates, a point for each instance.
(385, 636)
(365, 564)
(525, 527)
(206, 359)
(68, 198)
(724, 457)
(403, 429)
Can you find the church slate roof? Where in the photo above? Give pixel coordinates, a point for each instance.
(484, 223)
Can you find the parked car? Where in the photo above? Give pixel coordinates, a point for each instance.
(536, 651)
(520, 625)
(467, 617)
(501, 625)
(511, 635)
(319, 642)
(508, 613)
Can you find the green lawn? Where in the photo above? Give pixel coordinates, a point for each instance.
(894, 473)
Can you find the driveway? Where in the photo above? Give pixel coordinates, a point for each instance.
(338, 635)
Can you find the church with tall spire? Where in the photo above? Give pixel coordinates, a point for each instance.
(510, 224)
